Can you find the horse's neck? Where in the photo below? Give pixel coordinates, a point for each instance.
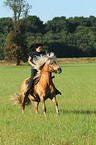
(46, 76)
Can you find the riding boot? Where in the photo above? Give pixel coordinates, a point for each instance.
(26, 92)
(29, 91)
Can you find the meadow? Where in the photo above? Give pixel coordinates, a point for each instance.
(76, 123)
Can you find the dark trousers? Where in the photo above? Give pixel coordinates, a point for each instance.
(33, 72)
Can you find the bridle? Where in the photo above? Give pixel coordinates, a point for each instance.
(48, 69)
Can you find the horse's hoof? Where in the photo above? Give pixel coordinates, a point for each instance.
(22, 111)
(44, 114)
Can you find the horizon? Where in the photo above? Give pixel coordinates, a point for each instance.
(47, 10)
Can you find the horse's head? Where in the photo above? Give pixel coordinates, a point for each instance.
(47, 63)
(53, 67)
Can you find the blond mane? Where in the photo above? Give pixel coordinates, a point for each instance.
(39, 61)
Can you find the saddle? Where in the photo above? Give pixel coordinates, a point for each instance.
(34, 82)
(31, 90)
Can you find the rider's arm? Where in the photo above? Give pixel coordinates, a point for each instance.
(29, 61)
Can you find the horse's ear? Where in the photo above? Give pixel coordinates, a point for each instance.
(47, 55)
(48, 61)
(51, 55)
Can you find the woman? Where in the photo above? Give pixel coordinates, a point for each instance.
(38, 51)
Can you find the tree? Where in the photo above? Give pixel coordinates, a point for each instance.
(16, 48)
(57, 25)
(16, 45)
(2, 45)
(31, 24)
(6, 24)
(19, 8)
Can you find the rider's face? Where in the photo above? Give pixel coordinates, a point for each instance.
(39, 48)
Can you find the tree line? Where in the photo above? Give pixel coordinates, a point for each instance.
(72, 37)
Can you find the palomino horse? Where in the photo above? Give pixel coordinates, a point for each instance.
(45, 88)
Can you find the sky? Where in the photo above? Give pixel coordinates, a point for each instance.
(48, 9)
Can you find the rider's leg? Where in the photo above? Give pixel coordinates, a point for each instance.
(30, 81)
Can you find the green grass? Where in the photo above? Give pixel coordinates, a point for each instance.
(76, 124)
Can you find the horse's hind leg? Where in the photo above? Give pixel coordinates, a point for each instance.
(36, 107)
(23, 103)
(56, 104)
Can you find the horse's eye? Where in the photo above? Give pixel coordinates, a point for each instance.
(51, 63)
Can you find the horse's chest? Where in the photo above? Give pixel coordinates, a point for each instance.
(45, 90)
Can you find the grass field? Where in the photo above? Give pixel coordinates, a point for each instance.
(76, 124)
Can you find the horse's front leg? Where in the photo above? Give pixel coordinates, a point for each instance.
(43, 105)
(56, 104)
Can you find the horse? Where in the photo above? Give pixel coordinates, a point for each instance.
(44, 88)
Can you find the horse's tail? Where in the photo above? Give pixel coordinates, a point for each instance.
(16, 98)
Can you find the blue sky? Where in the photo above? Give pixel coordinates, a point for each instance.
(48, 9)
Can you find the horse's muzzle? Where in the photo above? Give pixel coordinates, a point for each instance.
(59, 70)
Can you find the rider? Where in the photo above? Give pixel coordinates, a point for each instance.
(38, 51)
